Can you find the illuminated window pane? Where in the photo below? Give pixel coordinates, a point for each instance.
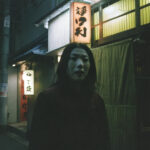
(96, 28)
(120, 24)
(96, 31)
(144, 2)
(118, 8)
(96, 18)
(145, 15)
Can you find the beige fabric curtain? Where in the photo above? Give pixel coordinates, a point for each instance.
(115, 72)
(116, 85)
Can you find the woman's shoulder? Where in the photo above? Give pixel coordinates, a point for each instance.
(48, 95)
(53, 90)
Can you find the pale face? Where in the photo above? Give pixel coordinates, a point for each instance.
(78, 64)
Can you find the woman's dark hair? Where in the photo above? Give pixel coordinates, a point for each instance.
(62, 66)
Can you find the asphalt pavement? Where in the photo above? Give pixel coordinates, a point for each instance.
(11, 141)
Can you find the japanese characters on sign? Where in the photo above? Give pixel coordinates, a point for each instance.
(28, 77)
(23, 100)
(80, 22)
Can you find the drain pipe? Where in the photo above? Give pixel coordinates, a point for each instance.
(4, 51)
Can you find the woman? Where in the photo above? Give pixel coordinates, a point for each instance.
(70, 115)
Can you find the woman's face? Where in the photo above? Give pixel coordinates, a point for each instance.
(78, 64)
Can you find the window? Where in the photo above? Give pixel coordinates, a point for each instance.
(144, 12)
(112, 19)
(95, 25)
(144, 2)
(118, 17)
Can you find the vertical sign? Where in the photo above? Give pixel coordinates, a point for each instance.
(23, 100)
(80, 22)
(28, 77)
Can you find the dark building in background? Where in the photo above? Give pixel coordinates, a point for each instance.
(28, 51)
(40, 29)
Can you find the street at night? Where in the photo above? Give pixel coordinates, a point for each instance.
(75, 74)
(11, 141)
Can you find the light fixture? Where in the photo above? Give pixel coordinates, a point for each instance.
(46, 24)
(58, 58)
(13, 65)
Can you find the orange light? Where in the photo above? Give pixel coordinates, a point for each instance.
(80, 22)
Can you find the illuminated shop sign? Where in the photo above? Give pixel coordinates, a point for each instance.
(80, 22)
(28, 77)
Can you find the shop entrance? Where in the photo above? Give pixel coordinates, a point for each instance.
(17, 108)
(23, 100)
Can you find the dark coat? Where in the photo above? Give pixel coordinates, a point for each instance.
(64, 120)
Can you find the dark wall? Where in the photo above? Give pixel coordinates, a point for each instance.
(25, 14)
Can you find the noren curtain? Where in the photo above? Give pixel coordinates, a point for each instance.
(116, 85)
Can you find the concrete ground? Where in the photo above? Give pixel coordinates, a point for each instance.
(11, 141)
(14, 137)
(19, 128)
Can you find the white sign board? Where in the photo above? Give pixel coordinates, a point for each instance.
(28, 77)
(59, 31)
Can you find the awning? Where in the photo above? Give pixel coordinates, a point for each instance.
(36, 52)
